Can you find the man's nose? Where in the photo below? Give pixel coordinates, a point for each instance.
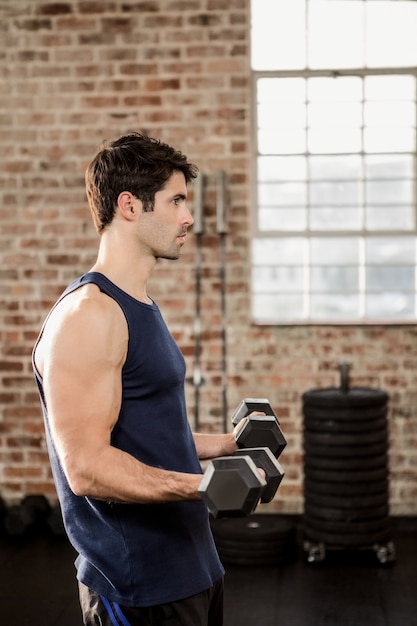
(188, 218)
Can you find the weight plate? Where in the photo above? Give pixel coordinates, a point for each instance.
(330, 425)
(346, 489)
(264, 555)
(353, 463)
(344, 540)
(255, 546)
(345, 413)
(250, 549)
(348, 515)
(331, 450)
(341, 527)
(345, 439)
(273, 561)
(345, 476)
(346, 502)
(257, 527)
(356, 396)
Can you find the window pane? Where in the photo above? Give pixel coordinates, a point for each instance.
(276, 251)
(282, 219)
(390, 305)
(390, 278)
(281, 141)
(282, 115)
(332, 47)
(334, 193)
(391, 34)
(389, 218)
(389, 192)
(334, 250)
(281, 90)
(282, 194)
(334, 114)
(335, 167)
(345, 218)
(335, 140)
(390, 87)
(391, 250)
(273, 168)
(336, 307)
(389, 139)
(268, 308)
(389, 166)
(389, 114)
(344, 89)
(336, 279)
(271, 279)
(278, 39)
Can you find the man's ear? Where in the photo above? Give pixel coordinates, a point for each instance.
(128, 205)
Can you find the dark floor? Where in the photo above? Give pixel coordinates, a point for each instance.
(38, 588)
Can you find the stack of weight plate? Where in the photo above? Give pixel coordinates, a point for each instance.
(258, 540)
(346, 471)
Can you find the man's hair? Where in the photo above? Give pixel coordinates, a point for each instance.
(136, 163)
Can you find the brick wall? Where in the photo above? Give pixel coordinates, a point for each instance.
(74, 73)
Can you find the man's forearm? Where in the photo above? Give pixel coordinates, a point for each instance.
(211, 446)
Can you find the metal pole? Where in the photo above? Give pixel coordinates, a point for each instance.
(198, 232)
(222, 232)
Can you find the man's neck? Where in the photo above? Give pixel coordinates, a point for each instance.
(129, 272)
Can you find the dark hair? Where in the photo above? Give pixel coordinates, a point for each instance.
(135, 163)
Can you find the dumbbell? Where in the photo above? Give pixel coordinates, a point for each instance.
(258, 430)
(232, 485)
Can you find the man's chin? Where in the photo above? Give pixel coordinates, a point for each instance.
(169, 257)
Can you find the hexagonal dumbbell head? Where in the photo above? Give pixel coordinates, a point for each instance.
(274, 472)
(231, 486)
(250, 405)
(261, 431)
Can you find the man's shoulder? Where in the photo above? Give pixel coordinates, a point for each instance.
(86, 307)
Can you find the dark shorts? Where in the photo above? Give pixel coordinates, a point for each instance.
(203, 609)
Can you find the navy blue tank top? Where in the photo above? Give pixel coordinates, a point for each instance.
(136, 554)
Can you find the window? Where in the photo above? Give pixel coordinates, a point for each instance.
(335, 233)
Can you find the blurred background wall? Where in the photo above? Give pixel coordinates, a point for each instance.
(76, 73)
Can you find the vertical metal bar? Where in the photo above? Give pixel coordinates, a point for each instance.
(198, 231)
(222, 232)
(221, 204)
(198, 227)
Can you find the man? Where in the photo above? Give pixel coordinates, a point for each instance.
(111, 383)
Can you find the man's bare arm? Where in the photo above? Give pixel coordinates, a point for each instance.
(210, 446)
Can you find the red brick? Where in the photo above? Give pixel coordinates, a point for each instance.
(54, 8)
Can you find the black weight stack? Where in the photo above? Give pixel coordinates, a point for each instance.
(346, 481)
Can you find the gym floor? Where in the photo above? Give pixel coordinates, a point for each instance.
(38, 588)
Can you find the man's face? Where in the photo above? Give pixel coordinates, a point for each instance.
(164, 229)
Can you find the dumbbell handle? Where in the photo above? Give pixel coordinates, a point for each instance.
(252, 405)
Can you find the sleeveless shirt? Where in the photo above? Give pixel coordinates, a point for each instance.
(141, 554)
